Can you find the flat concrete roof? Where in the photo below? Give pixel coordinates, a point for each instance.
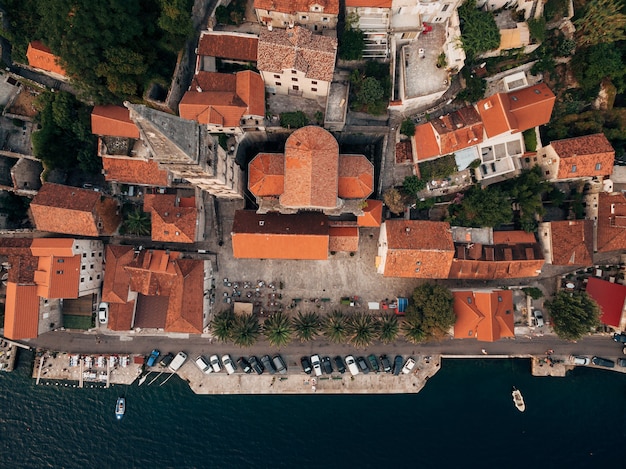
(419, 59)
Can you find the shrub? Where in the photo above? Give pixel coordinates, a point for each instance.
(293, 120)
(407, 128)
(530, 139)
(537, 28)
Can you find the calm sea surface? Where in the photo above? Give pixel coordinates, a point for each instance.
(464, 418)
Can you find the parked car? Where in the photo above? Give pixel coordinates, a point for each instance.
(279, 364)
(621, 362)
(103, 313)
(373, 361)
(152, 359)
(229, 365)
(339, 364)
(256, 365)
(267, 364)
(599, 361)
(244, 365)
(203, 365)
(580, 360)
(352, 366)
(327, 365)
(362, 365)
(316, 364)
(166, 360)
(397, 364)
(621, 338)
(386, 364)
(408, 366)
(215, 363)
(538, 318)
(306, 365)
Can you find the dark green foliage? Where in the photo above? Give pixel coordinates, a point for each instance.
(65, 140)
(573, 314)
(407, 127)
(482, 207)
(555, 9)
(612, 123)
(577, 205)
(222, 325)
(278, 329)
(534, 292)
(388, 328)
(527, 190)
(351, 45)
(306, 326)
(593, 64)
(412, 330)
(319, 117)
(231, 14)
(293, 120)
(245, 330)
(363, 329)
(439, 168)
(556, 197)
(537, 28)
(412, 185)
(475, 87)
(431, 309)
(479, 32)
(601, 22)
(530, 139)
(137, 223)
(14, 207)
(336, 327)
(371, 88)
(369, 91)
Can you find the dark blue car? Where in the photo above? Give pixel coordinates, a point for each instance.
(154, 355)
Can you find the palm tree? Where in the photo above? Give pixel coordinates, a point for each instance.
(363, 329)
(336, 327)
(277, 328)
(389, 328)
(306, 326)
(246, 330)
(137, 222)
(222, 325)
(413, 332)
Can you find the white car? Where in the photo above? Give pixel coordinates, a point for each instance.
(408, 366)
(538, 318)
(103, 313)
(316, 364)
(215, 363)
(580, 360)
(352, 366)
(203, 365)
(229, 366)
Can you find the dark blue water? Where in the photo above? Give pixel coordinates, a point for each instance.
(464, 417)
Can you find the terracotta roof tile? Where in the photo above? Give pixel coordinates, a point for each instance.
(277, 236)
(64, 209)
(356, 177)
(426, 145)
(266, 174)
(121, 316)
(572, 242)
(330, 7)
(369, 3)
(485, 316)
(134, 171)
(513, 237)
(21, 316)
(56, 282)
(172, 223)
(40, 56)
(297, 49)
(587, 156)
(372, 214)
(458, 130)
(311, 169)
(611, 224)
(23, 263)
(233, 46)
(343, 239)
(404, 152)
(113, 121)
(610, 298)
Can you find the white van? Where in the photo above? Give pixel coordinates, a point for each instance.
(178, 361)
(203, 365)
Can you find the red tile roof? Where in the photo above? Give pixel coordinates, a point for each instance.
(419, 249)
(65, 209)
(134, 171)
(610, 297)
(356, 177)
(114, 121)
(223, 99)
(404, 152)
(343, 238)
(485, 316)
(426, 145)
(41, 57)
(516, 110)
(311, 169)
(369, 3)
(23, 263)
(232, 46)
(611, 224)
(275, 236)
(21, 316)
(297, 49)
(587, 156)
(572, 242)
(58, 270)
(171, 222)
(266, 174)
(330, 7)
(458, 130)
(373, 214)
(116, 279)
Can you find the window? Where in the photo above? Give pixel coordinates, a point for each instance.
(98, 276)
(598, 166)
(165, 232)
(277, 83)
(91, 266)
(82, 280)
(60, 261)
(469, 300)
(304, 18)
(314, 89)
(573, 170)
(83, 267)
(325, 19)
(84, 254)
(294, 79)
(313, 82)
(59, 272)
(445, 7)
(93, 254)
(437, 20)
(315, 8)
(293, 72)
(547, 173)
(276, 76)
(296, 87)
(100, 254)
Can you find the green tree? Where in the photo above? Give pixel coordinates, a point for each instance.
(388, 328)
(352, 44)
(573, 314)
(596, 63)
(475, 87)
(137, 223)
(222, 325)
(412, 330)
(412, 185)
(394, 200)
(293, 120)
(245, 330)
(602, 22)
(335, 327)
(482, 207)
(306, 326)
(537, 29)
(431, 306)
(479, 31)
(277, 328)
(363, 329)
(370, 91)
(534, 292)
(527, 190)
(407, 127)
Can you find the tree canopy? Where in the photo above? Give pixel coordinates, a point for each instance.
(482, 207)
(602, 22)
(527, 190)
(430, 309)
(479, 31)
(352, 44)
(596, 63)
(573, 314)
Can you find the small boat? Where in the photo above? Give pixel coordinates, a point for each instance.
(518, 399)
(143, 378)
(120, 408)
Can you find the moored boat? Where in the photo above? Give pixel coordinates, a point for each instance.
(518, 400)
(120, 408)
